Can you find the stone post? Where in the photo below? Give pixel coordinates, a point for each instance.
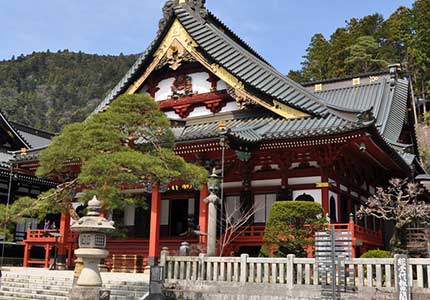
(244, 268)
(211, 200)
(290, 270)
(163, 257)
(202, 271)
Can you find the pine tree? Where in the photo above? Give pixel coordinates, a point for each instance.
(315, 66)
(364, 56)
(128, 145)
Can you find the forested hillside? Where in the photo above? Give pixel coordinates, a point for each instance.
(48, 90)
(371, 44)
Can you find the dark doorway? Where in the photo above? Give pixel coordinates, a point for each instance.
(344, 214)
(333, 210)
(178, 217)
(142, 218)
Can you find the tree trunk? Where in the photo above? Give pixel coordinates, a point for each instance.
(397, 241)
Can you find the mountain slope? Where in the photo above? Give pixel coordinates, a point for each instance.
(49, 90)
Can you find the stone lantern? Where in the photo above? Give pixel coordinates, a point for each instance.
(92, 243)
(212, 200)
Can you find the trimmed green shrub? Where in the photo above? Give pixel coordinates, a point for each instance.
(376, 254)
(291, 227)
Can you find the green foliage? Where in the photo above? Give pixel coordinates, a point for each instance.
(363, 56)
(427, 118)
(291, 227)
(370, 43)
(129, 144)
(316, 61)
(49, 90)
(376, 254)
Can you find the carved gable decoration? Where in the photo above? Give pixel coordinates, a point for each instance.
(182, 86)
(178, 47)
(175, 56)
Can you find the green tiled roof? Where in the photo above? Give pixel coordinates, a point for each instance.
(385, 98)
(257, 129)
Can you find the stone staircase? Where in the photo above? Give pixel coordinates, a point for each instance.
(35, 283)
(55, 286)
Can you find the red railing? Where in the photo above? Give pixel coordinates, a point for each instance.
(251, 234)
(43, 236)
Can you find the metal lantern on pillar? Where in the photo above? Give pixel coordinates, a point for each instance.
(212, 200)
(214, 182)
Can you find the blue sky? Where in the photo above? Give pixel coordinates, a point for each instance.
(279, 30)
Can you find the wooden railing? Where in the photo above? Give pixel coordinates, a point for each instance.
(251, 234)
(43, 236)
(292, 271)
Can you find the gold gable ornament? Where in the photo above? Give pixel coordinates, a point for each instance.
(178, 42)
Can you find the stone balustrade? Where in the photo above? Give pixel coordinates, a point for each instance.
(290, 271)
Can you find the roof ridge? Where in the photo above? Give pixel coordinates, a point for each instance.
(361, 85)
(346, 77)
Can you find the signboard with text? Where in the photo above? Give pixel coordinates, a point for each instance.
(402, 277)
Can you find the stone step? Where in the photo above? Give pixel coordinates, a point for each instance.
(17, 295)
(126, 287)
(36, 277)
(36, 285)
(52, 284)
(136, 294)
(39, 290)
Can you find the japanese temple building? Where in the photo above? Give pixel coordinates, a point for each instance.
(332, 142)
(16, 183)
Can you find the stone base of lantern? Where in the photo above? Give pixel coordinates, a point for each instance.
(89, 293)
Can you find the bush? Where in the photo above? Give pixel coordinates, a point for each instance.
(376, 254)
(291, 226)
(427, 118)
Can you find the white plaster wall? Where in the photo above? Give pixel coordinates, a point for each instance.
(221, 85)
(144, 89)
(267, 182)
(129, 215)
(200, 82)
(304, 180)
(232, 184)
(164, 215)
(336, 198)
(232, 207)
(200, 111)
(263, 203)
(191, 203)
(172, 115)
(316, 194)
(164, 89)
(230, 106)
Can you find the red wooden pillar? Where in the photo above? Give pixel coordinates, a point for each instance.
(351, 228)
(203, 213)
(324, 191)
(47, 255)
(154, 235)
(27, 249)
(65, 232)
(325, 200)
